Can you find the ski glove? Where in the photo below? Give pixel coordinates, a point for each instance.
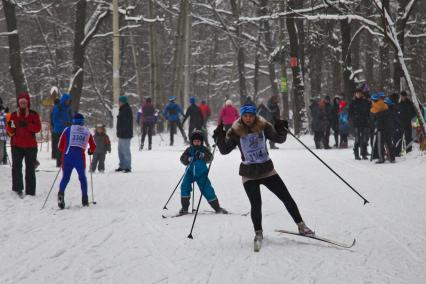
(199, 155)
(218, 132)
(281, 125)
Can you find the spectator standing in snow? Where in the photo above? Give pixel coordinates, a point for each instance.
(3, 133)
(54, 92)
(195, 158)
(206, 112)
(227, 115)
(22, 127)
(5, 111)
(319, 120)
(103, 145)
(72, 144)
(327, 121)
(343, 119)
(359, 115)
(407, 113)
(335, 115)
(148, 119)
(172, 113)
(249, 134)
(124, 134)
(383, 129)
(61, 118)
(195, 116)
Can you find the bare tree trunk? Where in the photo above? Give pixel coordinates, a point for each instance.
(78, 57)
(14, 48)
(236, 6)
(298, 84)
(268, 41)
(187, 58)
(136, 66)
(400, 28)
(178, 68)
(348, 78)
(283, 67)
(155, 92)
(384, 65)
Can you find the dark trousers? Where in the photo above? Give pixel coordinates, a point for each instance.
(383, 139)
(343, 140)
(336, 135)
(98, 161)
(318, 138)
(397, 141)
(408, 134)
(362, 136)
(147, 129)
(277, 187)
(55, 152)
(173, 125)
(30, 156)
(326, 138)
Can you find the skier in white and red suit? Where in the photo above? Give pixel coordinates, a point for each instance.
(72, 145)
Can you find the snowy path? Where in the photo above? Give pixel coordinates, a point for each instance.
(124, 239)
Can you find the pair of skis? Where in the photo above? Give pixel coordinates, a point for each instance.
(258, 242)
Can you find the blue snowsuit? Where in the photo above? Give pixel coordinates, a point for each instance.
(61, 115)
(171, 111)
(195, 158)
(73, 157)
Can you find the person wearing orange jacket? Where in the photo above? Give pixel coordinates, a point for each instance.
(22, 127)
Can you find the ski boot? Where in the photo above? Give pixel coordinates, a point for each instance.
(215, 205)
(141, 147)
(149, 147)
(61, 200)
(258, 238)
(85, 201)
(185, 205)
(304, 230)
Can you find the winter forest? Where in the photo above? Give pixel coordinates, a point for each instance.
(212, 141)
(212, 50)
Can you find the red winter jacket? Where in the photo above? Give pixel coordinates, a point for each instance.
(23, 127)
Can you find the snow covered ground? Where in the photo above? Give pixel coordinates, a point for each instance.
(124, 239)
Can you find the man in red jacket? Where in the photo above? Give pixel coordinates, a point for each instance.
(22, 127)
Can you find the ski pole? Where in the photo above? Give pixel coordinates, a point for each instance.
(325, 164)
(47, 197)
(201, 195)
(91, 179)
(193, 190)
(177, 185)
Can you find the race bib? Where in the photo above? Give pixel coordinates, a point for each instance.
(79, 136)
(254, 150)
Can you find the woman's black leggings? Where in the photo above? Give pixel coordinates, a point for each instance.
(277, 186)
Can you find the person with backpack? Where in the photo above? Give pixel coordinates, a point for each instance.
(172, 113)
(61, 118)
(147, 121)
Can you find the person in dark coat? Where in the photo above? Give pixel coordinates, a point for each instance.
(328, 109)
(22, 127)
(318, 123)
(396, 128)
(124, 134)
(407, 113)
(249, 133)
(148, 119)
(172, 113)
(103, 146)
(274, 109)
(383, 129)
(359, 115)
(335, 109)
(195, 116)
(61, 118)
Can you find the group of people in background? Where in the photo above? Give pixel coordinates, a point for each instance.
(384, 122)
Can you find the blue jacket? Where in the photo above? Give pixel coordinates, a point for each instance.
(61, 115)
(344, 121)
(171, 111)
(192, 157)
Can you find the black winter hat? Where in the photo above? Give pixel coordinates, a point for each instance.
(197, 135)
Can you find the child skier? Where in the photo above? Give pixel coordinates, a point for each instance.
(249, 134)
(72, 145)
(103, 145)
(195, 158)
(344, 124)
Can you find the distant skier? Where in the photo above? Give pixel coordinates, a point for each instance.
(249, 133)
(172, 113)
(103, 146)
(195, 158)
(72, 145)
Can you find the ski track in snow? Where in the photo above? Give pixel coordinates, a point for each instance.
(123, 238)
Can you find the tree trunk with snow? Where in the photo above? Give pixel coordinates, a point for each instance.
(14, 48)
